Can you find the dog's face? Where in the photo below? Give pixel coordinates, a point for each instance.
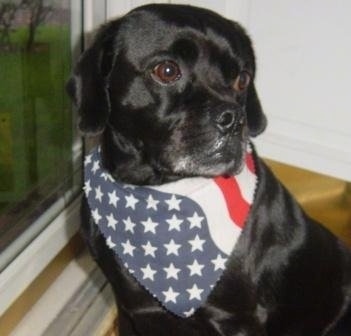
(171, 89)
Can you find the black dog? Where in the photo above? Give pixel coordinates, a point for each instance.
(170, 89)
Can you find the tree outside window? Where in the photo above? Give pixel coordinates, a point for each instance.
(35, 116)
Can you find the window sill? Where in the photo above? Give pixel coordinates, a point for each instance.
(85, 306)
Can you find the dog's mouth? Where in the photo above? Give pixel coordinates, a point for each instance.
(223, 156)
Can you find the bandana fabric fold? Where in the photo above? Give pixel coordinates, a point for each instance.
(174, 239)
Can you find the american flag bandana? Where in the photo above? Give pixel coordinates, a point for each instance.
(175, 238)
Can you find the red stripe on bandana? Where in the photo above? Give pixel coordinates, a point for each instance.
(238, 208)
(250, 163)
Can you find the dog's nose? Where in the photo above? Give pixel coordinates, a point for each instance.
(230, 121)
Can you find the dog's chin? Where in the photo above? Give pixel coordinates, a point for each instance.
(188, 167)
(192, 166)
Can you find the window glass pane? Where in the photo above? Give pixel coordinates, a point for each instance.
(36, 133)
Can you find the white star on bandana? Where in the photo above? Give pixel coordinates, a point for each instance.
(111, 222)
(129, 225)
(113, 199)
(131, 201)
(152, 203)
(195, 268)
(172, 248)
(148, 272)
(170, 295)
(195, 293)
(173, 203)
(172, 271)
(195, 221)
(174, 223)
(149, 249)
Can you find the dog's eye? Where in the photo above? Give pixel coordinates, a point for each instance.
(166, 72)
(242, 81)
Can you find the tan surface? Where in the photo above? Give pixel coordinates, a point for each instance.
(324, 198)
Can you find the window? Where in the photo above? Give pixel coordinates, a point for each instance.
(39, 151)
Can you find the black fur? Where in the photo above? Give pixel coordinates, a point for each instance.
(287, 276)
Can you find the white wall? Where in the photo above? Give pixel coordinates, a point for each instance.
(303, 52)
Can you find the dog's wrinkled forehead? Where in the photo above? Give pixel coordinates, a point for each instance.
(146, 33)
(142, 32)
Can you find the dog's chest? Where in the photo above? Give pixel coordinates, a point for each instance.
(174, 239)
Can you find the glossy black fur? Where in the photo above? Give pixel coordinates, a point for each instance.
(287, 275)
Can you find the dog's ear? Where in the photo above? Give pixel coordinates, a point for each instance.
(256, 119)
(88, 86)
(241, 41)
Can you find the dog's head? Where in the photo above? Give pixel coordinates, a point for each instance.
(171, 89)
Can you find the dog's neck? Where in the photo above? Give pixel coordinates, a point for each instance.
(172, 235)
